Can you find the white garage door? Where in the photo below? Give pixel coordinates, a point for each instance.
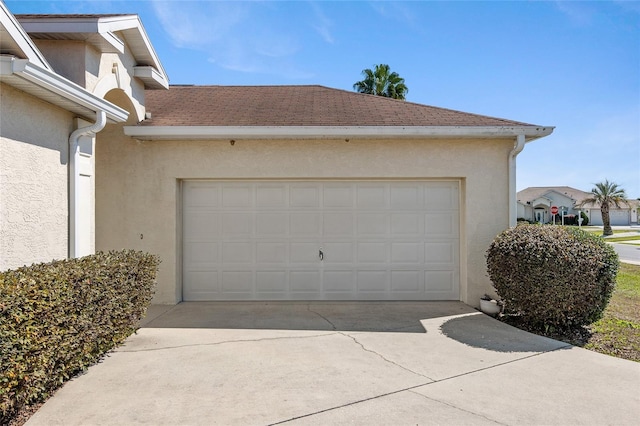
(311, 240)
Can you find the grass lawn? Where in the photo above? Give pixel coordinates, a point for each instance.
(614, 239)
(618, 332)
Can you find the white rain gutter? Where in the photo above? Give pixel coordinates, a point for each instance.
(331, 132)
(53, 88)
(513, 206)
(74, 180)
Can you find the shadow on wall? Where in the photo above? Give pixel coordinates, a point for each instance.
(482, 331)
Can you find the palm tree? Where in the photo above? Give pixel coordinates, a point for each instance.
(606, 193)
(382, 82)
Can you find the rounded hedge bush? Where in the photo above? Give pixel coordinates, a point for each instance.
(552, 276)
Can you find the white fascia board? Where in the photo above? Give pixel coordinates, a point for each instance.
(331, 132)
(129, 24)
(113, 41)
(21, 38)
(105, 27)
(162, 74)
(52, 82)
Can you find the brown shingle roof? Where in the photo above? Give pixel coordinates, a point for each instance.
(296, 106)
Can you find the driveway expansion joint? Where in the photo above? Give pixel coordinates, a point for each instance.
(456, 407)
(412, 388)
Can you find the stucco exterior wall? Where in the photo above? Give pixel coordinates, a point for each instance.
(138, 187)
(33, 179)
(97, 72)
(67, 57)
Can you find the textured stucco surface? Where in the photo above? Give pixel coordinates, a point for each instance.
(97, 72)
(33, 179)
(138, 187)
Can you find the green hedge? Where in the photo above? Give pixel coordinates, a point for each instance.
(58, 318)
(552, 276)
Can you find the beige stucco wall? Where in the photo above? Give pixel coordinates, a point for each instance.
(33, 179)
(138, 195)
(67, 57)
(97, 72)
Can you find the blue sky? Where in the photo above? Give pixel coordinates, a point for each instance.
(570, 64)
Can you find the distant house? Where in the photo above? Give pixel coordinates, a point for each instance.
(534, 203)
(246, 193)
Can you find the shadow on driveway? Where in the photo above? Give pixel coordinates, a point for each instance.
(482, 331)
(327, 316)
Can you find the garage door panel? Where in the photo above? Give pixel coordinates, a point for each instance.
(304, 252)
(272, 281)
(372, 196)
(201, 194)
(332, 240)
(304, 196)
(373, 252)
(237, 224)
(441, 196)
(406, 252)
(305, 224)
(406, 197)
(407, 281)
(272, 252)
(203, 285)
(406, 224)
(201, 226)
(271, 196)
(338, 196)
(202, 254)
(373, 282)
(237, 252)
(372, 224)
(335, 223)
(305, 281)
(339, 281)
(237, 282)
(338, 252)
(272, 224)
(440, 281)
(441, 254)
(237, 195)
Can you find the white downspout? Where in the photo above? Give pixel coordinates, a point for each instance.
(513, 202)
(74, 177)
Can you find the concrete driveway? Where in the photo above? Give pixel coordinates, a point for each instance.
(343, 363)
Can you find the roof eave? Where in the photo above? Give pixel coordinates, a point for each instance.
(19, 38)
(101, 31)
(56, 89)
(332, 132)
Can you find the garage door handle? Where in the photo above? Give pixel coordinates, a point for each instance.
(321, 255)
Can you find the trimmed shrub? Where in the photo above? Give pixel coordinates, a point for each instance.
(552, 277)
(585, 218)
(58, 318)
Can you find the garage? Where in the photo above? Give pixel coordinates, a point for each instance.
(320, 240)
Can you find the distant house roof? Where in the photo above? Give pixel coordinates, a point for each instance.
(308, 111)
(534, 192)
